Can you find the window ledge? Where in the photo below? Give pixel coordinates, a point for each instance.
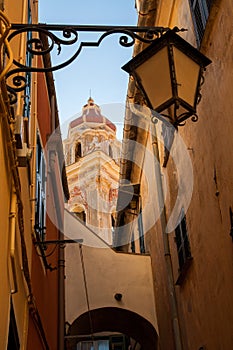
(183, 271)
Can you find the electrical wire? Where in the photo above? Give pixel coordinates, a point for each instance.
(49, 254)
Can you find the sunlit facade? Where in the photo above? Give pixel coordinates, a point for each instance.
(103, 288)
(187, 205)
(31, 300)
(102, 250)
(92, 155)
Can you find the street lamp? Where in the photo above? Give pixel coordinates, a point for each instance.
(169, 73)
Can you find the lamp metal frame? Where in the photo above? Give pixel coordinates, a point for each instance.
(170, 39)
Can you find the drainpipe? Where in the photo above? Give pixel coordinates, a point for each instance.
(61, 256)
(12, 225)
(61, 294)
(33, 142)
(166, 246)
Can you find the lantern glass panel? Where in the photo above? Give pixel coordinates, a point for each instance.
(187, 76)
(155, 78)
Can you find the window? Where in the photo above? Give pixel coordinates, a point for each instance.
(141, 233)
(168, 133)
(231, 222)
(40, 215)
(200, 12)
(93, 345)
(110, 151)
(132, 245)
(113, 224)
(113, 342)
(78, 151)
(182, 242)
(81, 215)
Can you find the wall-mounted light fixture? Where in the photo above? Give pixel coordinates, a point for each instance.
(169, 73)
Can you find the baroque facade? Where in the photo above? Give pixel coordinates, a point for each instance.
(92, 155)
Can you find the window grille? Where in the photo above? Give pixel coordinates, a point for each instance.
(40, 215)
(182, 242)
(200, 12)
(141, 233)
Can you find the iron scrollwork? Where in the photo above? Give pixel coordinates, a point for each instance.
(42, 40)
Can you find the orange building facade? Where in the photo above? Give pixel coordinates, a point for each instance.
(32, 181)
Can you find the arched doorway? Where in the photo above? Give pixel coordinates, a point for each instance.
(112, 319)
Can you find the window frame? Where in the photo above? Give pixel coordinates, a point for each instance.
(203, 7)
(41, 184)
(141, 233)
(182, 240)
(78, 151)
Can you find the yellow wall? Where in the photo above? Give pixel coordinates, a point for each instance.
(16, 11)
(5, 187)
(204, 298)
(106, 273)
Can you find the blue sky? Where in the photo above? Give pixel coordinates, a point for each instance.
(97, 69)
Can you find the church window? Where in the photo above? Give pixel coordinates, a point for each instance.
(81, 215)
(78, 151)
(113, 223)
(110, 151)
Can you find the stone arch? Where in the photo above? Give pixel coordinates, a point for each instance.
(113, 319)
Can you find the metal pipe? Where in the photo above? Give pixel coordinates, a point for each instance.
(12, 226)
(61, 295)
(88, 28)
(61, 256)
(33, 141)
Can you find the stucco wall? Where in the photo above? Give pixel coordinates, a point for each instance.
(5, 184)
(204, 297)
(107, 273)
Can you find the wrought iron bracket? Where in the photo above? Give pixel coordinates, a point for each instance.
(43, 39)
(58, 242)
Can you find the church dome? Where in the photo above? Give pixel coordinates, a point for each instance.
(91, 113)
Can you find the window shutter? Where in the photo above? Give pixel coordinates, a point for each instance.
(200, 12)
